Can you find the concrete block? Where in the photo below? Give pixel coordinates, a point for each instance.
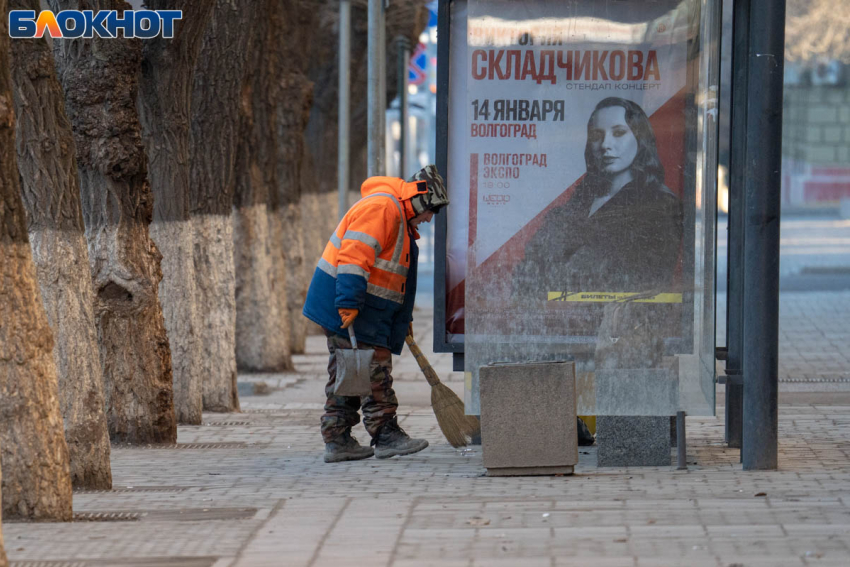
(811, 95)
(832, 134)
(834, 96)
(814, 133)
(823, 114)
(820, 155)
(633, 441)
(528, 418)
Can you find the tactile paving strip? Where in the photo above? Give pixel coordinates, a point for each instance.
(177, 515)
(108, 516)
(224, 445)
(829, 379)
(124, 561)
(126, 489)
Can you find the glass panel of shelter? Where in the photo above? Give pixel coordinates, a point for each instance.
(584, 132)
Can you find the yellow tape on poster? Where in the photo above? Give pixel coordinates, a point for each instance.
(601, 297)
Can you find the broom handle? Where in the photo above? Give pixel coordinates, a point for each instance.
(429, 373)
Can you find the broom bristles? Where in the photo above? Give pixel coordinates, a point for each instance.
(457, 427)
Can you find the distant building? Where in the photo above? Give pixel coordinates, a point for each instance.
(816, 121)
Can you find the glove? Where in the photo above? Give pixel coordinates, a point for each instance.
(347, 316)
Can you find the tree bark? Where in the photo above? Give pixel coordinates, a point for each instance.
(215, 125)
(3, 561)
(291, 232)
(100, 78)
(262, 330)
(51, 193)
(36, 483)
(165, 113)
(293, 111)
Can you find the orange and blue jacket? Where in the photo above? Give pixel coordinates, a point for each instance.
(370, 264)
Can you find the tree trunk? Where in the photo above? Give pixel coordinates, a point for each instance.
(33, 452)
(165, 113)
(291, 228)
(321, 208)
(262, 330)
(293, 111)
(215, 125)
(3, 561)
(51, 192)
(100, 78)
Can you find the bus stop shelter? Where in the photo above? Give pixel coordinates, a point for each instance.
(533, 98)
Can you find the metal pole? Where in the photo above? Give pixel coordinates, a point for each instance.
(761, 244)
(735, 246)
(382, 77)
(344, 106)
(403, 110)
(377, 92)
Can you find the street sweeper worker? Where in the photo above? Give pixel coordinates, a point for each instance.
(367, 278)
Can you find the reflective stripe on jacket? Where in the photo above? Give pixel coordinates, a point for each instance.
(369, 264)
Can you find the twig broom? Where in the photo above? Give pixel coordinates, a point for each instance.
(457, 427)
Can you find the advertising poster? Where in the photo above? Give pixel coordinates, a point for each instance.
(576, 238)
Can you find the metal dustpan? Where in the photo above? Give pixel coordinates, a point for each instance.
(352, 369)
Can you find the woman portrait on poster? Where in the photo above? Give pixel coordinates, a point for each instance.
(621, 231)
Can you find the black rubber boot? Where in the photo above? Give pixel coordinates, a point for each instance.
(391, 440)
(585, 437)
(346, 448)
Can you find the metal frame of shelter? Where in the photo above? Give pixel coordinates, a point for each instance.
(752, 385)
(443, 28)
(751, 356)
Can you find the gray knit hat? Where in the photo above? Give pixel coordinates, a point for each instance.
(436, 197)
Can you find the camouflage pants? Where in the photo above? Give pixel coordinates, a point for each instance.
(379, 408)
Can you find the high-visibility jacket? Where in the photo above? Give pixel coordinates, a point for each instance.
(370, 264)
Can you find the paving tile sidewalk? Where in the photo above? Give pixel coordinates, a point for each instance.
(251, 489)
(814, 339)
